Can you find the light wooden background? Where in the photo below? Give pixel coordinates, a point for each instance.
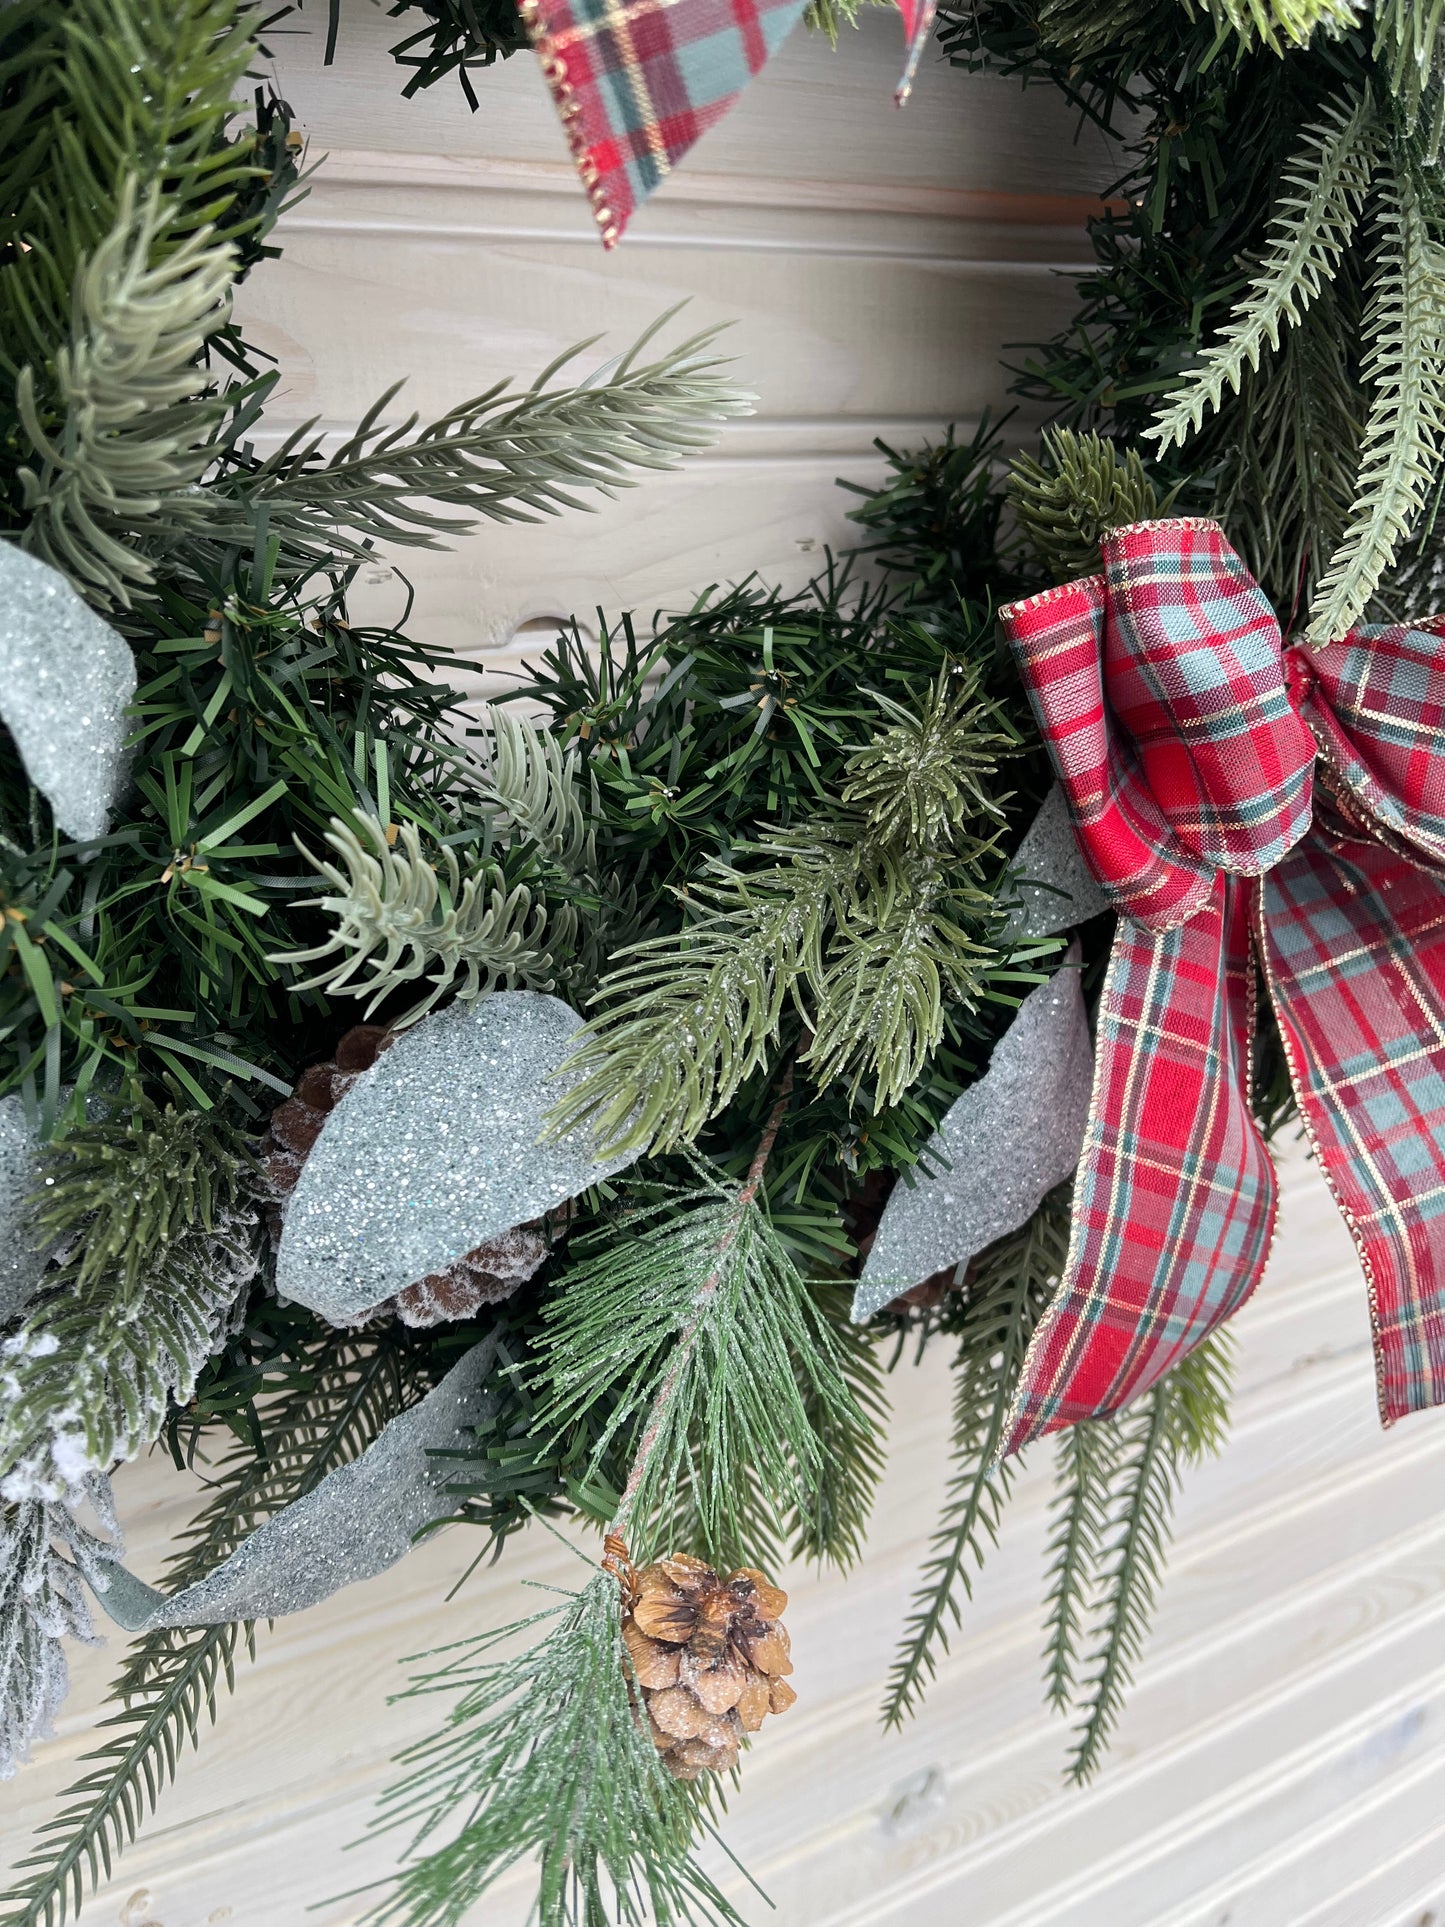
(1282, 1763)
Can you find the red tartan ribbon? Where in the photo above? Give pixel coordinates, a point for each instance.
(1254, 813)
(636, 82)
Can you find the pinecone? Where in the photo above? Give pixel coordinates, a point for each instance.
(484, 1276)
(709, 1654)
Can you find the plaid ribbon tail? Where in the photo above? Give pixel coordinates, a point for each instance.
(637, 81)
(1174, 1201)
(1352, 936)
(918, 16)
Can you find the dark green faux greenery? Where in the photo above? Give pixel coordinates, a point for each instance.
(1231, 270)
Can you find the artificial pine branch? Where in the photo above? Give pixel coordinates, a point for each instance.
(1277, 24)
(139, 419)
(1330, 175)
(1068, 502)
(1175, 1425)
(124, 1325)
(1003, 1301)
(497, 457)
(402, 921)
(1409, 47)
(534, 786)
(1086, 1459)
(1288, 476)
(545, 1754)
(693, 1333)
(348, 1390)
(43, 1602)
(861, 921)
(1404, 432)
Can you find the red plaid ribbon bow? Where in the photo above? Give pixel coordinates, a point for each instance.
(1244, 809)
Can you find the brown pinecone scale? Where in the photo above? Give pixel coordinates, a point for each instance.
(485, 1276)
(709, 1653)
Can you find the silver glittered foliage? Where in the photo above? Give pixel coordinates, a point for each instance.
(22, 1257)
(66, 679)
(1056, 888)
(44, 1550)
(358, 1521)
(1007, 1141)
(435, 1149)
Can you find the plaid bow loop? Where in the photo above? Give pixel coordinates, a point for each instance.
(1242, 823)
(1159, 688)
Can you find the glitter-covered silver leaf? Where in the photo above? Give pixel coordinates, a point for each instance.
(1055, 887)
(1008, 1140)
(22, 1257)
(435, 1149)
(358, 1521)
(66, 679)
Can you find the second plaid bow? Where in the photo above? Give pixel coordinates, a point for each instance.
(1252, 813)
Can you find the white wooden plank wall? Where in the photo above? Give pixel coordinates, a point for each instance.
(1282, 1763)
(869, 264)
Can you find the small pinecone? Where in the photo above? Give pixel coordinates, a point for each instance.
(484, 1276)
(709, 1654)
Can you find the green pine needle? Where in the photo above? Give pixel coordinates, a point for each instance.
(1404, 434)
(1278, 24)
(544, 1755)
(1083, 488)
(1087, 1456)
(139, 418)
(693, 1325)
(1004, 1300)
(1178, 1423)
(1330, 175)
(402, 921)
(868, 918)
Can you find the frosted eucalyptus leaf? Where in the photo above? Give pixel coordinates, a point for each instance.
(1008, 1141)
(435, 1149)
(66, 679)
(358, 1521)
(1056, 888)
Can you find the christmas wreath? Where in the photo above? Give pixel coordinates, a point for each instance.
(575, 1114)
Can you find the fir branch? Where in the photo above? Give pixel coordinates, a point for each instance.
(171, 1679)
(1082, 489)
(534, 785)
(400, 920)
(497, 457)
(139, 423)
(1006, 1295)
(1176, 1424)
(1330, 175)
(1404, 432)
(891, 872)
(544, 1754)
(127, 1321)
